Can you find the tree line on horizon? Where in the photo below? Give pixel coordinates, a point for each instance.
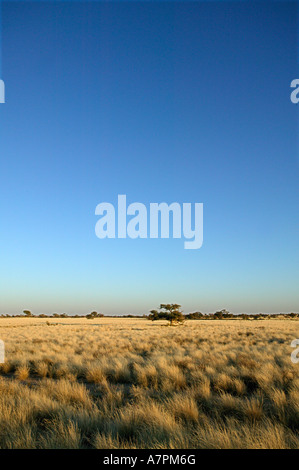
(169, 312)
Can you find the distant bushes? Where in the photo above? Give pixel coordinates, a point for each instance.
(176, 314)
(240, 316)
(28, 314)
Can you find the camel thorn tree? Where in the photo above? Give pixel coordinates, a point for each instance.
(169, 312)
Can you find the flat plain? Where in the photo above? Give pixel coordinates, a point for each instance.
(129, 383)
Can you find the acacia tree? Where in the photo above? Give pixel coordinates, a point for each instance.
(169, 312)
(27, 313)
(221, 314)
(93, 315)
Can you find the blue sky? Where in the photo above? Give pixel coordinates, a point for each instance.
(186, 102)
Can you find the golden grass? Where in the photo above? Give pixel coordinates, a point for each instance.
(130, 383)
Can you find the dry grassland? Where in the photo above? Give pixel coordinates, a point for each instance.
(129, 383)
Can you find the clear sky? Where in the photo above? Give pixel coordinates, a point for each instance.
(186, 102)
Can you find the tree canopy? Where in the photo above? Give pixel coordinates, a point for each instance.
(169, 312)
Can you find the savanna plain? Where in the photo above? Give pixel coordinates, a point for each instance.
(113, 383)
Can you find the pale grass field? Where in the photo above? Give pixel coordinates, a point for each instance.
(129, 383)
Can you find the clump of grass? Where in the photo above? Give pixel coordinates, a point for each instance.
(253, 409)
(42, 369)
(95, 374)
(68, 392)
(184, 407)
(204, 389)
(22, 372)
(6, 368)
